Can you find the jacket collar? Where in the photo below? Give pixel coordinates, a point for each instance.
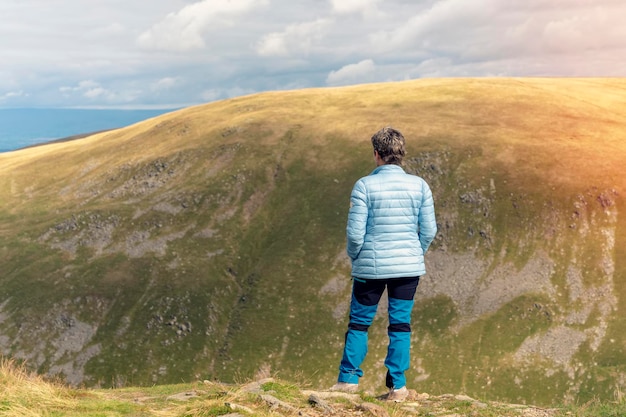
(387, 168)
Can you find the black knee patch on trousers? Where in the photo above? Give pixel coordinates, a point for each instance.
(359, 327)
(399, 327)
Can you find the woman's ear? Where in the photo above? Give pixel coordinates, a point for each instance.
(379, 161)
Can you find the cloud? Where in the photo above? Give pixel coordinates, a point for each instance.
(165, 83)
(217, 94)
(493, 30)
(93, 91)
(186, 29)
(112, 29)
(184, 52)
(584, 31)
(364, 7)
(11, 94)
(297, 39)
(82, 87)
(96, 92)
(360, 72)
(447, 25)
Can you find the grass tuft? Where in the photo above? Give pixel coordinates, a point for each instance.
(27, 394)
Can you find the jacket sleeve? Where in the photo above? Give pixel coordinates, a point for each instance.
(357, 220)
(427, 222)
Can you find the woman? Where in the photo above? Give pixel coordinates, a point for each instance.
(391, 224)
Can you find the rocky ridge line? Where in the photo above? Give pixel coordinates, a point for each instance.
(316, 403)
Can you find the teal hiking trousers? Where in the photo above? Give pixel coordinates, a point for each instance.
(366, 295)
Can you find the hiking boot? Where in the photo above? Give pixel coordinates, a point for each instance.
(397, 395)
(345, 387)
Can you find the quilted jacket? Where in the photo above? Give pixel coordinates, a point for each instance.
(391, 224)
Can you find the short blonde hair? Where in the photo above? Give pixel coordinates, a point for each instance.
(389, 143)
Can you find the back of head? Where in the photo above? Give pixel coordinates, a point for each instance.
(389, 143)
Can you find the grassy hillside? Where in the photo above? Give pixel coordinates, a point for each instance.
(209, 243)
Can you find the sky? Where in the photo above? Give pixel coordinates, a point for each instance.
(177, 53)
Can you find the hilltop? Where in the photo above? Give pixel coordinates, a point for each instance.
(208, 243)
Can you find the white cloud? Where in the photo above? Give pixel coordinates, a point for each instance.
(11, 94)
(165, 83)
(582, 31)
(364, 7)
(360, 72)
(446, 25)
(93, 91)
(273, 44)
(186, 29)
(81, 87)
(496, 30)
(183, 52)
(113, 29)
(211, 95)
(297, 39)
(219, 94)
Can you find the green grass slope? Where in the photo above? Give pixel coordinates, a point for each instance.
(208, 243)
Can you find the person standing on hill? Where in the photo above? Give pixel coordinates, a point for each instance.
(391, 224)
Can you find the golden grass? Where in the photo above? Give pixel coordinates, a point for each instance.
(27, 394)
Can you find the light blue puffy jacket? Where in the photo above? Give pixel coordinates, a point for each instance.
(391, 224)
